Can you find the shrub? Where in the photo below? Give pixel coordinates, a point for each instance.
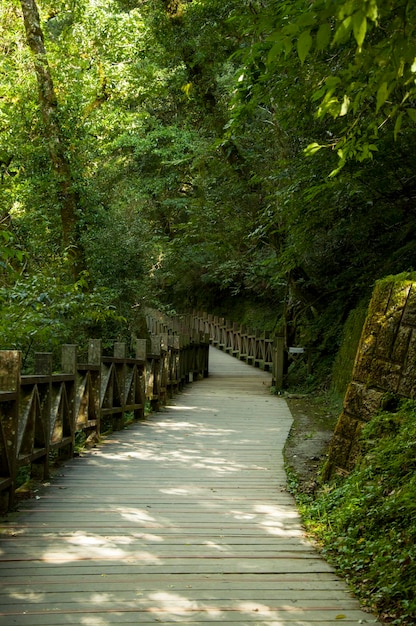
(366, 521)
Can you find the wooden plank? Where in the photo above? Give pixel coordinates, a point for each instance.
(282, 585)
(151, 618)
(188, 546)
(178, 603)
(227, 598)
(132, 567)
(182, 518)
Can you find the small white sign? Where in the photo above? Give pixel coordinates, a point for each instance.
(293, 350)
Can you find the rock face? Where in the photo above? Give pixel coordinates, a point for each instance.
(385, 365)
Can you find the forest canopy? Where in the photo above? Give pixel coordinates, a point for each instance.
(255, 159)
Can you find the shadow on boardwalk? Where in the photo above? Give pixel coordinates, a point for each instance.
(180, 519)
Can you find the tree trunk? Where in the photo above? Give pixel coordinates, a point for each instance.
(53, 132)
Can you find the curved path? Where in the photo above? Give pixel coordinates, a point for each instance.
(180, 519)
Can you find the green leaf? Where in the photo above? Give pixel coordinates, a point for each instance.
(382, 95)
(306, 19)
(398, 125)
(341, 163)
(343, 30)
(346, 8)
(345, 106)
(312, 148)
(187, 88)
(6, 234)
(412, 114)
(292, 29)
(304, 44)
(330, 104)
(323, 36)
(317, 95)
(288, 46)
(275, 51)
(332, 82)
(7, 253)
(359, 26)
(372, 10)
(281, 44)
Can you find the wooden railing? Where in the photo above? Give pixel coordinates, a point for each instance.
(256, 348)
(41, 413)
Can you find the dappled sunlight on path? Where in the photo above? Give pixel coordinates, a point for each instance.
(181, 519)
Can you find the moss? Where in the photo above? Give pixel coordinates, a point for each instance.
(391, 291)
(344, 361)
(404, 277)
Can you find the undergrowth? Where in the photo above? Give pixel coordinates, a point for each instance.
(366, 521)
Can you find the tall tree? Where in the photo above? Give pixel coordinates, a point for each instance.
(68, 197)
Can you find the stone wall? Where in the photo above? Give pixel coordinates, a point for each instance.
(385, 366)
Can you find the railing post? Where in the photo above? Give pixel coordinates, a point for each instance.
(257, 348)
(251, 346)
(95, 351)
(206, 356)
(141, 393)
(221, 333)
(186, 360)
(174, 358)
(69, 366)
(120, 352)
(155, 345)
(69, 358)
(278, 362)
(153, 376)
(164, 366)
(141, 349)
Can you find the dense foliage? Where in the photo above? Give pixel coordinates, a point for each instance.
(366, 522)
(239, 157)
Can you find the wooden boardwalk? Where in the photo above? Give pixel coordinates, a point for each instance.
(181, 519)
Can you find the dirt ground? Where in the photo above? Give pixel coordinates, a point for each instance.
(314, 419)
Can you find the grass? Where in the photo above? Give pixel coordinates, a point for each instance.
(366, 522)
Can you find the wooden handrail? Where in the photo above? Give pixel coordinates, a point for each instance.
(252, 346)
(41, 413)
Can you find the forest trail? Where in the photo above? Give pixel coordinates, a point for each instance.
(180, 519)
